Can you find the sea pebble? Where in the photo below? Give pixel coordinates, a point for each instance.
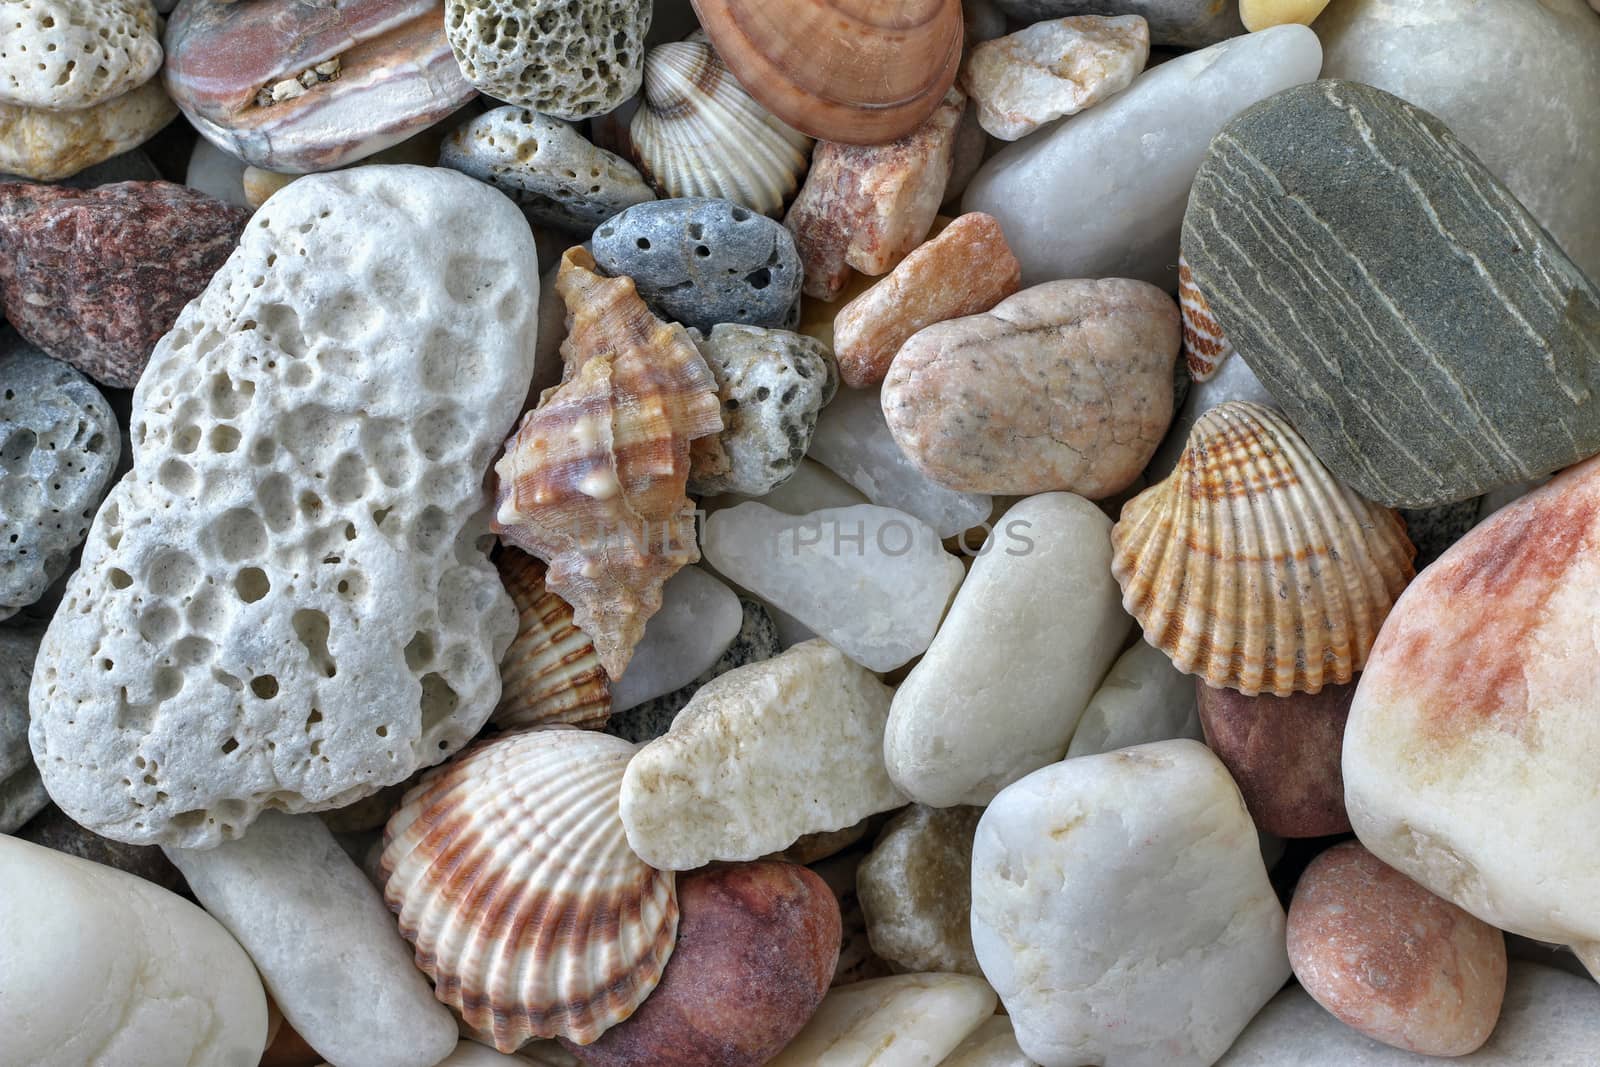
(1283, 753)
(325, 945)
(555, 176)
(867, 206)
(872, 580)
(772, 384)
(1054, 68)
(966, 269)
(1102, 194)
(700, 262)
(46, 146)
(857, 961)
(1121, 910)
(96, 277)
(1437, 408)
(1003, 684)
(1262, 14)
(1064, 386)
(915, 889)
(972, 144)
(1143, 698)
(72, 54)
(1435, 529)
(761, 756)
(811, 487)
(216, 173)
(1173, 23)
(699, 618)
(757, 943)
(54, 830)
(22, 795)
(810, 848)
(105, 968)
(1391, 959)
(852, 439)
(994, 1044)
(335, 395)
(909, 1020)
(59, 443)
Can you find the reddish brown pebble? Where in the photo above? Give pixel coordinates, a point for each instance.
(968, 268)
(756, 949)
(96, 276)
(1284, 754)
(1392, 960)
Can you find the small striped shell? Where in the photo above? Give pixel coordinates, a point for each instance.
(551, 673)
(698, 133)
(1204, 347)
(1253, 568)
(513, 880)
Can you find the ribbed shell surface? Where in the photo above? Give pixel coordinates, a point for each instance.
(551, 673)
(1204, 346)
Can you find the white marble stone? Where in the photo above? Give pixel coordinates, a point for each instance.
(1144, 698)
(909, 1020)
(698, 620)
(992, 1044)
(811, 487)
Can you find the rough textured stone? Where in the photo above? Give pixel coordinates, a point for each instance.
(59, 444)
(46, 146)
(1481, 68)
(909, 1020)
(1433, 530)
(1391, 959)
(95, 277)
(698, 618)
(915, 888)
(700, 261)
(1264, 14)
(759, 757)
(71, 54)
(52, 829)
(1469, 753)
(22, 795)
(1067, 385)
(966, 269)
(1283, 753)
(991, 1045)
(1054, 68)
(867, 206)
(573, 59)
(283, 605)
(110, 969)
(1102, 195)
(555, 176)
(1439, 406)
(773, 384)
(1143, 698)
(756, 947)
(1173, 23)
(1121, 910)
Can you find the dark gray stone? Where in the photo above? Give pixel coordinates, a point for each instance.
(1180, 23)
(1413, 321)
(701, 261)
(22, 795)
(1433, 530)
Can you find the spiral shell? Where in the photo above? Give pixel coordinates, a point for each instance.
(513, 880)
(551, 673)
(1253, 568)
(698, 133)
(1204, 347)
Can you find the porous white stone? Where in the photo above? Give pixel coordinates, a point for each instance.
(698, 620)
(71, 54)
(104, 969)
(325, 944)
(1143, 699)
(286, 603)
(761, 756)
(873, 581)
(1102, 194)
(1121, 909)
(1035, 627)
(909, 1020)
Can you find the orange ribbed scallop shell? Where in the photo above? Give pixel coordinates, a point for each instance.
(551, 674)
(1204, 346)
(1252, 567)
(593, 481)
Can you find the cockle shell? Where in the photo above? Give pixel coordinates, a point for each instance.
(551, 673)
(698, 133)
(841, 70)
(593, 482)
(1252, 567)
(1204, 347)
(513, 879)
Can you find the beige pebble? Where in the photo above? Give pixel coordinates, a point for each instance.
(47, 146)
(1263, 14)
(915, 888)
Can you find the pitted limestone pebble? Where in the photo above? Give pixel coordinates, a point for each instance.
(555, 176)
(46, 146)
(22, 795)
(773, 384)
(71, 54)
(701, 261)
(573, 59)
(284, 605)
(59, 443)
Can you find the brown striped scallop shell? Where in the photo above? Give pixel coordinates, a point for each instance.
(513, 880)
(1252, 567)
(551, 673)
(1204, 346)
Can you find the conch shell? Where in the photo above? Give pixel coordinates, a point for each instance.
(1204, 346)
(1253, 568)
(593, 481)
(512, 877)
(551, 673)
(698, 133)
(841, 70)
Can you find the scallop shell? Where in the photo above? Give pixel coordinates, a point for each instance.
(513, 880)
(593, 481)
(1252, 567)
(1204, 347)
(841, 70)
(551, 673)
(698, 133)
